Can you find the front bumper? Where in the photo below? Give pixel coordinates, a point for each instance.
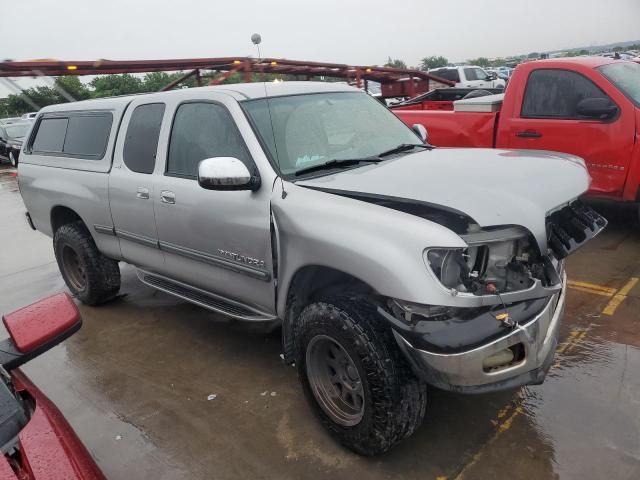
(464, 372)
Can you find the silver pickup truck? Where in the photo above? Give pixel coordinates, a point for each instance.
(389, 264)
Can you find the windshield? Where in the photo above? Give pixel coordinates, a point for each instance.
(17, 130)
(625, 76)
(313, 129)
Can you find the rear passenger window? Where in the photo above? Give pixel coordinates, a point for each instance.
(79, 136)
(50, 135)
(87, 135)
(203, 130)
(141, 142)
(556, 93)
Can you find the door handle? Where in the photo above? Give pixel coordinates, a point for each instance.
(529, 134)
(142, 193)
(167, 196)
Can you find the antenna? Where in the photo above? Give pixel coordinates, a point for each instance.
(256, 39)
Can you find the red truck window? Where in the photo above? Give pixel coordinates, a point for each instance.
(555, 94)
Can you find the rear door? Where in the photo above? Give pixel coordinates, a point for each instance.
(547, 120)
(218, 241)
(131, 186)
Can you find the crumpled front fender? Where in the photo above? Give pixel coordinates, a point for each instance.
(379, 246)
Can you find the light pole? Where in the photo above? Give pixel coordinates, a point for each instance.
(256, 39)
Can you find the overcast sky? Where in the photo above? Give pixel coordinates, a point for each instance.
(354, 32)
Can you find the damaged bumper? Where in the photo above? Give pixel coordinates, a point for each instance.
(521, 356)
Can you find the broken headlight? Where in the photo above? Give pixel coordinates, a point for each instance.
(507, 262)
(412, 312)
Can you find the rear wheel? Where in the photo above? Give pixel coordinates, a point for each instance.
(91, 276)
(355, 377)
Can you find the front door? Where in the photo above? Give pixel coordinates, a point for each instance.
(131, 186)
(219, 241)
(548, 120)
(476, 78)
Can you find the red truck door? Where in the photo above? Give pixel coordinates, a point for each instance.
(547, 120)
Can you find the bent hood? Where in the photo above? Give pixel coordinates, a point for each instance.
(493, 187)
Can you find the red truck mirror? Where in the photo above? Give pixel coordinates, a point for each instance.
(38, 327)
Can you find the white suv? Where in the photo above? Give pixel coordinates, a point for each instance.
(469, 76)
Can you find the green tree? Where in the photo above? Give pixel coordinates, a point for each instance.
(42, 96)
(395, 63)
(72, 86)
(155, 81)
(497, 62)
(480, 61)
(111, 85)
(433, 61)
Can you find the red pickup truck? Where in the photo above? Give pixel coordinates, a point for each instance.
(589, 107)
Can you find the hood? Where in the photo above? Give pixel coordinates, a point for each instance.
(493, 187)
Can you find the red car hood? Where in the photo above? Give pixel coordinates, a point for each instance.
(49, 448)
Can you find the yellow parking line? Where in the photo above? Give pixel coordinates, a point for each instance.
(618, 298)
(572, 336)
(591, 286)
(589, 290)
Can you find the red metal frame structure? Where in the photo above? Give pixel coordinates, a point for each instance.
(395, 82)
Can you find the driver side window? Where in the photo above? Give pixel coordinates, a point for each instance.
(203, 130)
(555, 93)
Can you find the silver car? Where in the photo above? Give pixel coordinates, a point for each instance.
(388, 263)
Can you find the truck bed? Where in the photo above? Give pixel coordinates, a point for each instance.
(454, 129)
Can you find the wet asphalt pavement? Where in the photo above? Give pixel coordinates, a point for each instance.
(134, 382)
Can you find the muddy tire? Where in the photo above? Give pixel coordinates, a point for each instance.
(91, 277)
(355, 377)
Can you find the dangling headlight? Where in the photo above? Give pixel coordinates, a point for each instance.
(507, 262)
(456, 268)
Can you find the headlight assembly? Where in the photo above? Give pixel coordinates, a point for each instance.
(500, 264)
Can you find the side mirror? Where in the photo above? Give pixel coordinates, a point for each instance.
(226, 173)
(36, 328)
(421, 132)
(492, 76)
(596, 108)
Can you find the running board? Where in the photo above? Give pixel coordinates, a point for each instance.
(203, 298)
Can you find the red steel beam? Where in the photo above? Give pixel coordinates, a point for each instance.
(180, 80)
(228, 65)
(224, 76)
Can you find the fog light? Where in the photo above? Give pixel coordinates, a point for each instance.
(498, 359)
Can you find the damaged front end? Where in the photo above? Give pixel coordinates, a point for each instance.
(502, 331)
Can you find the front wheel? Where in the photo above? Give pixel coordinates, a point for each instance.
(355, 377)
(13, 159)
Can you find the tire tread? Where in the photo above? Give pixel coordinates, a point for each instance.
(103, 273)
(399, 397)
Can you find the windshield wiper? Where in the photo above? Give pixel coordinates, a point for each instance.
(336, 163)
(404, 147)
